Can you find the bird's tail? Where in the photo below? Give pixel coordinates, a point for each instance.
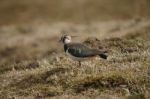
(103, 55)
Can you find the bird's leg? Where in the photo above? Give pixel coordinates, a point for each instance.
(80, 63)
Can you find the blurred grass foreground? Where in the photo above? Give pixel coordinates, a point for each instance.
(34, 66)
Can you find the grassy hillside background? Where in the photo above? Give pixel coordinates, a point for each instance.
(79, 11)
(33, 64)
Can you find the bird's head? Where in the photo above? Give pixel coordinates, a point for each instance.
(66, 39)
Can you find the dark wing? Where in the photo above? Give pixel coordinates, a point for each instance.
(81, 50)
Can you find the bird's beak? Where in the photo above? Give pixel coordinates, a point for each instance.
(60, 40)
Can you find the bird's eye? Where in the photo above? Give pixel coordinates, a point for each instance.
(63, 39)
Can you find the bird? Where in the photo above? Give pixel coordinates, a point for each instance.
(80, 51)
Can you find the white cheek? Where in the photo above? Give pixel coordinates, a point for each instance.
(67, 41)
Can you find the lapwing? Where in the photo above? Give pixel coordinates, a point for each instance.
(79, 51)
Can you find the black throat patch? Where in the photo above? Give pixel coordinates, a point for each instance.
(65, 47)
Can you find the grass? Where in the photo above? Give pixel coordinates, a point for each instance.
(32, 64)
(126, 73)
